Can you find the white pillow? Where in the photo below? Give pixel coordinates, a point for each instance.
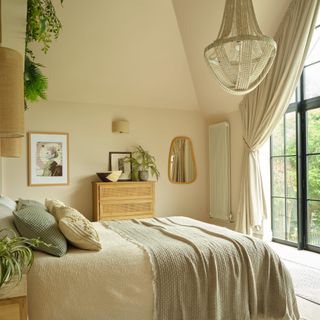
(51, 204)
(7, 202)
(77, 228)
(6, 218)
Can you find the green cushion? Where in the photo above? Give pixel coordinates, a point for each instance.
(21, 203)
(36, 222)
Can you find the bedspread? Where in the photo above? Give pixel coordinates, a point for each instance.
(238, 278)
(202, 271)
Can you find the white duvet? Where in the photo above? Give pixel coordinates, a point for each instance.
(112, 284)
(116, 283)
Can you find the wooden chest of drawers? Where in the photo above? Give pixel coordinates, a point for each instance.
(13, 301)
(122, 200)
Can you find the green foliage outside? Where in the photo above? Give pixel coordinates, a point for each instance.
(313, 182)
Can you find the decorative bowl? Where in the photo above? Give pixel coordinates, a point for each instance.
(109, 176)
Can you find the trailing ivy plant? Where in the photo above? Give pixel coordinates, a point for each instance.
(43, 26)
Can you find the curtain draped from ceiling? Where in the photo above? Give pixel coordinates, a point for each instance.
(263, 108)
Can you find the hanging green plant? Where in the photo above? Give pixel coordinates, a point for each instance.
(35, 83)
(42, 27)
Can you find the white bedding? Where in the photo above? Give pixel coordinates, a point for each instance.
(112, 284)
(116, 282)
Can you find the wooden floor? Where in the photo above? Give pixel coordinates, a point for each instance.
(308, 310)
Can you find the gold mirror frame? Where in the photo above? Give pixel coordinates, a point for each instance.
(192, 157)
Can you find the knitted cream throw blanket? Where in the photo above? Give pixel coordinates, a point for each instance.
(204, 272)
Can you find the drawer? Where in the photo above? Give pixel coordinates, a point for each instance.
(109, 209)
(127, 191)
(13, 309)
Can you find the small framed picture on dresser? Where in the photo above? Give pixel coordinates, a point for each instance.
(48, 158)
(117, 162)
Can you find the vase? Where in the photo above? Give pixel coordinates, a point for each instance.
(144, 175)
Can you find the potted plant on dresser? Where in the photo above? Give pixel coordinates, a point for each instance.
(142, 162)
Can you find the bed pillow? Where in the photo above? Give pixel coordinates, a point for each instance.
(6, 218)
(7, 202)
(22, 203)
(77, 229)
(51, 204)
(36, 222)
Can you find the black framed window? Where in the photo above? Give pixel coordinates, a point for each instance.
(295, 161)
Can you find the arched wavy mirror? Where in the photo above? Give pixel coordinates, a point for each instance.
(182, 164)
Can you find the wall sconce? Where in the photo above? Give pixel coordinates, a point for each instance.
(120, 126)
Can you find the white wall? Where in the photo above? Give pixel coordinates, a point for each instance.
(91, 139)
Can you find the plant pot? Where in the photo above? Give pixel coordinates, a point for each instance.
(144, 175)
(135, 175)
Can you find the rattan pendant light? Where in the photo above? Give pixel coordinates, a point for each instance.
(241, 56)
(11, 147)
(11, 92)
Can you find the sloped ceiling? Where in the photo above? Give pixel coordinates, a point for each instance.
(142, 53)
(199, 23)
(121, 53)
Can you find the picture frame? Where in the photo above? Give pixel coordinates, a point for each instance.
(116, 163)
(48, 158)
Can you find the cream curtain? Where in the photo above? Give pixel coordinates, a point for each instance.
(262, 108)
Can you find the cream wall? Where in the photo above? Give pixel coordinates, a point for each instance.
(91, 139)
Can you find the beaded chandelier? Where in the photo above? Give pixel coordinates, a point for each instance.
(241, 56)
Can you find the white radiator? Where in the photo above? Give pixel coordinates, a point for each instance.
(219, 170)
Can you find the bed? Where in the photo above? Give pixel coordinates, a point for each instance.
(173, 268)
(119, 282)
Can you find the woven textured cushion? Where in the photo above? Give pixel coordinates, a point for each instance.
(36, 222)
(77, 229)
(22, 203)
(52, 204)
(7, 202)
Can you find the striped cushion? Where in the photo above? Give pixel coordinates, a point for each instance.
(36, 222)
(77, 229)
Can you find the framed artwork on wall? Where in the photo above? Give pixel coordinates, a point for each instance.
(116, 162)
(48, 159)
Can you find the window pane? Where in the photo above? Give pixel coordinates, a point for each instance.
(277, 140)
(278, 182)
(314, 223)
(313, 177)
(292, 218)
(313, 54)
(313, 131)
(290, 133)
(293, 98)
(291, 175)
(312, 81)
(278, 215)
